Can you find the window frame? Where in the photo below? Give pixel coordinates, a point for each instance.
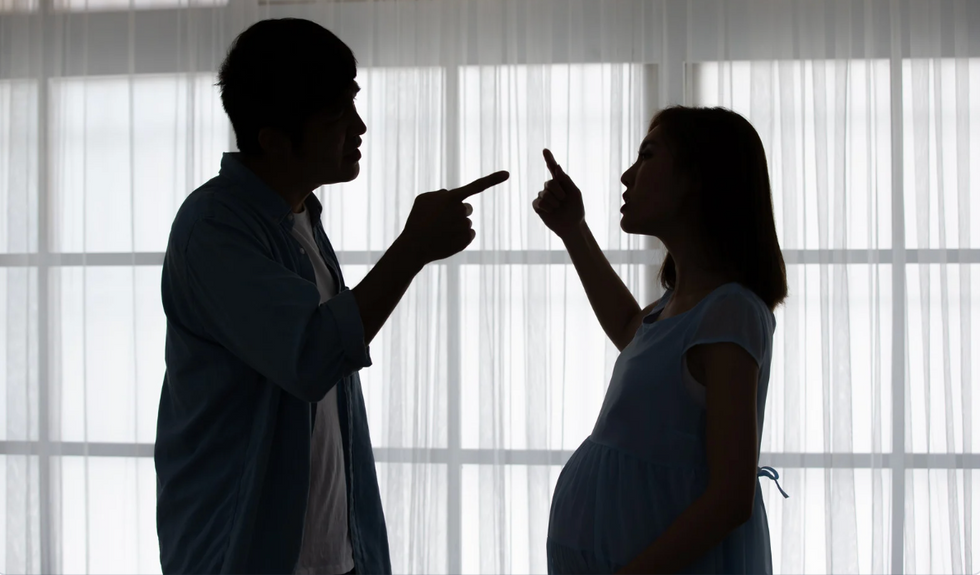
(667, 79)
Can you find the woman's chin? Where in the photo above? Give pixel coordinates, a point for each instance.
(641, 228)
(626, 225)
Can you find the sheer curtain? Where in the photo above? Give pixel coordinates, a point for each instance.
(493, 368)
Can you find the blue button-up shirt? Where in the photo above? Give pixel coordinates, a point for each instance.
(250, 350)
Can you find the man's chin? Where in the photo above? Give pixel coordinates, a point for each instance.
(345, 174)
(352, 171)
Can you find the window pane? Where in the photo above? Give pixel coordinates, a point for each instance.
(855, 502)
(535, 360)
(108, 515)
(128, 151)
(590, 115)
(941, 508)
(510, 538)
(414, 499)
(107, 363)
(941, 138)
(18, 354)
(19, 508)
(402, 156)
(18, 166)
(944, 307)
(830, 387)
(405, 389)
(826, 127)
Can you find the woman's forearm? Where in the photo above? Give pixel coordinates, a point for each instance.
(611, 300)
(699, 528)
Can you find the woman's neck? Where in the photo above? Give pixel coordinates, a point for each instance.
(695, 274)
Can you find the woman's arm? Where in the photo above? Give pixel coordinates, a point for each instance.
(730, 377)
(562, 210)
(615, 307)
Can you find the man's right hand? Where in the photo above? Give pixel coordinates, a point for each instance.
(439, 224)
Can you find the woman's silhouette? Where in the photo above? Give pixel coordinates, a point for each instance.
(668, 480)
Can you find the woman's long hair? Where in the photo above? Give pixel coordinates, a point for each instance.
(722, 155)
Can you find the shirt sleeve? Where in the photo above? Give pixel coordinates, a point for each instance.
(736, 317)
(267, 315)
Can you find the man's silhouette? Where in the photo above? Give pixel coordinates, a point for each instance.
(263, 457)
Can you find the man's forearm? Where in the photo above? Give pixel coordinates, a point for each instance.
(383, 287)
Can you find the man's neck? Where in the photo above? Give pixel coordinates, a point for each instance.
(278, 180)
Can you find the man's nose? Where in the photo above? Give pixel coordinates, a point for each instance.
(360, 127)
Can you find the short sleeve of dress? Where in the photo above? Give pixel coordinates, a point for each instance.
(736, 316)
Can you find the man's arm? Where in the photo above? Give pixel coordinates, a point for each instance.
(383, 287)
(437, 227)
(265, 314)
(271, 318)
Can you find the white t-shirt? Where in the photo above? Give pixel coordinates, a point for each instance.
(326, 542)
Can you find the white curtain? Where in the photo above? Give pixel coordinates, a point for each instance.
(493, 368)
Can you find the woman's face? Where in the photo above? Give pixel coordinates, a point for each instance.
(655, 194)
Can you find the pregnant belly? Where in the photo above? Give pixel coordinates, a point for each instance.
(614, 505)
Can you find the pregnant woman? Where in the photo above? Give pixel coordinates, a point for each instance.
(668, 480)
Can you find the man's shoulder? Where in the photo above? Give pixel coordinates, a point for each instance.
(215, 200)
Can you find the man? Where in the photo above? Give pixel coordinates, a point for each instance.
(263, 457)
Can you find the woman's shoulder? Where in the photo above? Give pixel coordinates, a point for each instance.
(734, 314)
(734, 300)
(735, 293)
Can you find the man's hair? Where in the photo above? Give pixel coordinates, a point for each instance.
(722, 155)
(280, 72)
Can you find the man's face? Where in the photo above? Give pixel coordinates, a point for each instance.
(329, 150)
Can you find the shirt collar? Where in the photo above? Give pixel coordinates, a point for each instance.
(260, 194)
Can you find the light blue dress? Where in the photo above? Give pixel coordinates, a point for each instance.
(646, 461)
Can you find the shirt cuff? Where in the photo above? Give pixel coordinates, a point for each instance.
(346, 314)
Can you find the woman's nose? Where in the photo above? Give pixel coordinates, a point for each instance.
(627, 176)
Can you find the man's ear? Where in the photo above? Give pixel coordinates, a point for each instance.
(274, 142)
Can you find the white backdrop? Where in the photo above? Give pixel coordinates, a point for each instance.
(493, 368)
